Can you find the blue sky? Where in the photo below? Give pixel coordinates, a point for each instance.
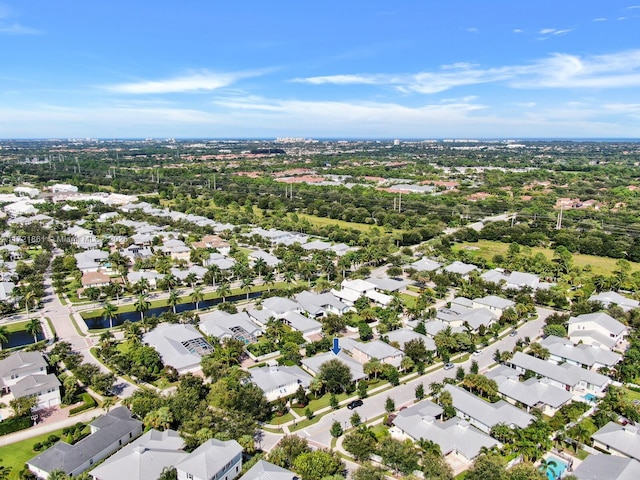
(341, 69)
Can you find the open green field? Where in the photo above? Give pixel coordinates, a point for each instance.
(16, 327)
(488, 249)
(16, 454)
(323, 221)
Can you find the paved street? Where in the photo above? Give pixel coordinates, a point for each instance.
(405, 394)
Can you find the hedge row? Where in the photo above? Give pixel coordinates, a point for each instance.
(14, 424)
(88, 403)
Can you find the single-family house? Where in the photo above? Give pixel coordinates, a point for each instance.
(313, 364)
(279, 381)
(219, 260)
(566, 376)
(270, 260)
(614, 298)
(320, 305)
(91, 260)
(180, 346)
(494, 304)
(460, 268)
(402, 336)
(600, 466)
(459, 441)
(214, 459)
(425, 265)
(389, 285)
(264, 470)
(618, 440)
(514, 280)
(364, 352)
(582, 355)
(24, 374)
(532, 393)
(224, 325)
(144, 458)
(597, 328)
(484, 415)
(108, 433)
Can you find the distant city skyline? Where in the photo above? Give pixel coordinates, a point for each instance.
(527, 69)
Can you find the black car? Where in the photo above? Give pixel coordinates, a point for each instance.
(355, 404)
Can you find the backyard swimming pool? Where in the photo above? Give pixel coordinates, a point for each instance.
(590, 397)
(555, 467)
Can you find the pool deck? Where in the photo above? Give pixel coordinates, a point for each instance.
(574, 462)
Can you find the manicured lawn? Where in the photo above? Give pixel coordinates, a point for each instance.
(16, 327)
(631, 394)
(17, 454)
(599, 265)
(322, 402)
(409, 301)
(275, 420)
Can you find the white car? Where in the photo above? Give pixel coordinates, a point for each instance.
(477, 353)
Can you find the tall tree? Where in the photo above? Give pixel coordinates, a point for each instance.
(109, 311)
(142, 305)
(34, 328)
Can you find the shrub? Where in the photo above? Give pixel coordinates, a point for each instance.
(14, 424)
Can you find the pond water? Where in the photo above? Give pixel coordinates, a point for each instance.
(97, 323)
(20, 338)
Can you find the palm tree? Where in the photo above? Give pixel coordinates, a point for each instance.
(197, 296)
(247, 283)
(109, 311)
(289, 278)
(27, 300)
(223, 290)
(4, 336)
(269, 280)
(57, 475)
(260, 266)
(373, 367)
(191, 279)
(142, 305)
(546, 464)
(173, 300)
(34, 327)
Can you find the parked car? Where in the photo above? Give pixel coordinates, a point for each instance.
(355, 404)
(448, 366)
(513, 333)
(477, 352)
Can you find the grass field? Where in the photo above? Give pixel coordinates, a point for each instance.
(323, 221)
(16, 454)
(599, 265)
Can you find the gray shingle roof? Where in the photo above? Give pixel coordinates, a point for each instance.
(601, 318)
(144, 458)
(609, 467)
(566, 373)
(209, 458)
(584, 354)
(625, 439)
(272, 378)
(314, 363)
(531, 392)
(452, 435)
(264, 470)
(21, 363)
(404, 335)
(68, 458)
(486, 413)
(173, 343)
(34, 384)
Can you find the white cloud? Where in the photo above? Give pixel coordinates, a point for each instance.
(599, 19)
(554, 31)
(18, 29)
(193, 82)
(343, 80)
(253, 116)
(559, 70)
(518, 30)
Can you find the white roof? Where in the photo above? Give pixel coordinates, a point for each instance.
(180, 346)
(624, 439)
